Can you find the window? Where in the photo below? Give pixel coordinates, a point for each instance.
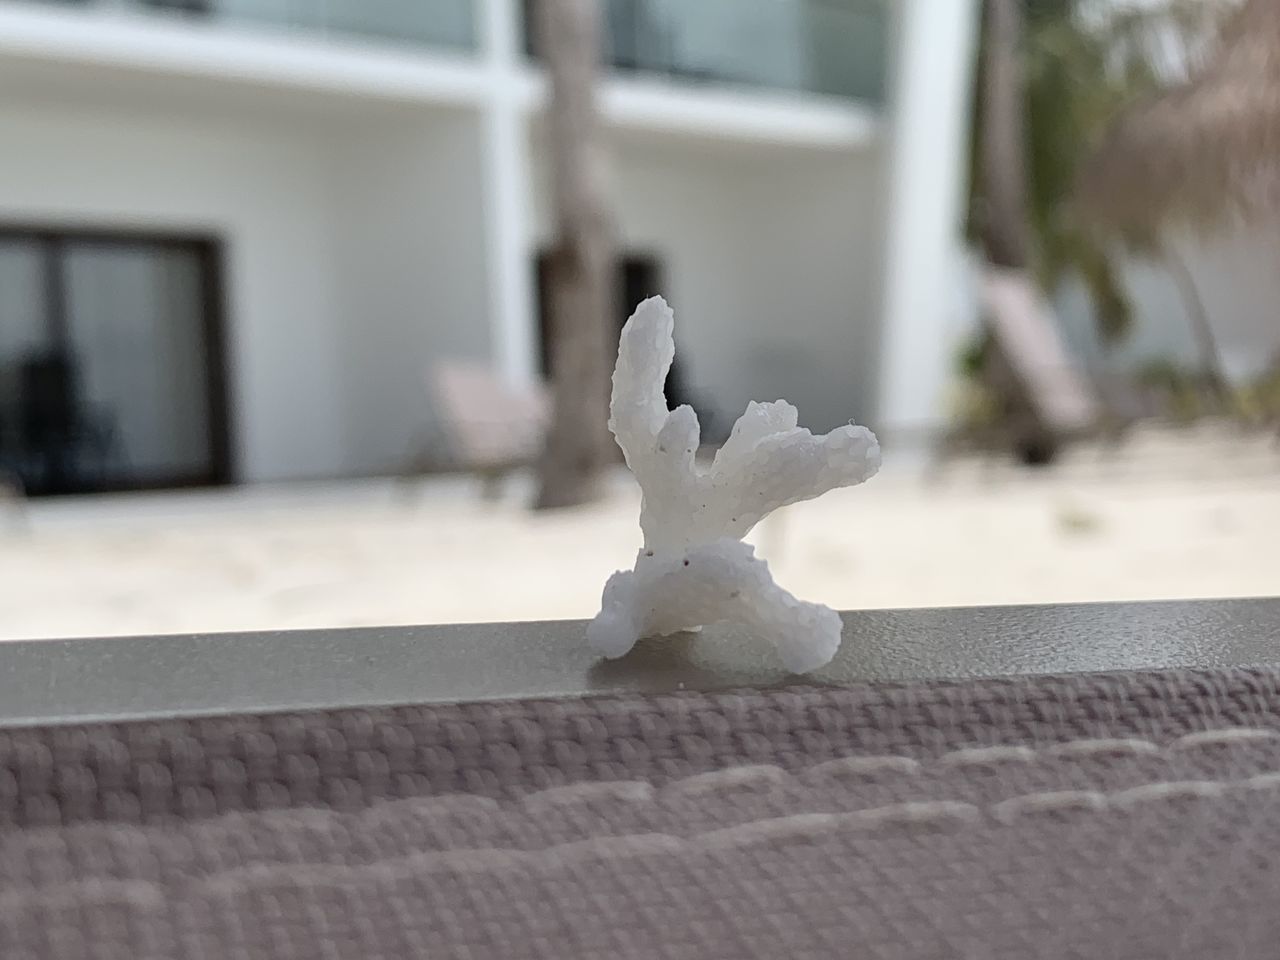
(111, 366)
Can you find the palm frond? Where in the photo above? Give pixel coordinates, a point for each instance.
(1084, 62)
(1203, 151)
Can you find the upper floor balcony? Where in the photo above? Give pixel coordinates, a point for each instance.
(447, 24)
(829, 47)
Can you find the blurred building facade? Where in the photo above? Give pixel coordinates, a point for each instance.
(236, 234)
(1233, 277)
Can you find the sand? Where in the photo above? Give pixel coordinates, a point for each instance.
(1171, 515)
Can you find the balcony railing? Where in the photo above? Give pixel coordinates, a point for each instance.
(449, 24)
(834, 47)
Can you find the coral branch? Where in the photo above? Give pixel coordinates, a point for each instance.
(693, 570)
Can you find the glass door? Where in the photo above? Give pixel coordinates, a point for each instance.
(110, 363)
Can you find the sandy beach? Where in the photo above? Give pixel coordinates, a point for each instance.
(1170, 515)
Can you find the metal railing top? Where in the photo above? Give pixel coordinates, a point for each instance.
(114, 678)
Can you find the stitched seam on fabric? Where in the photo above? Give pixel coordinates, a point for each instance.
(770, 775)
(804, 827)
(767, 776)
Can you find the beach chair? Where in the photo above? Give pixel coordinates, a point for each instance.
(481, 424)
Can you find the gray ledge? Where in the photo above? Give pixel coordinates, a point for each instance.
(111, 678)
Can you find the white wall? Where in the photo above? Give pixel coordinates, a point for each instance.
(355, 256)
(1238, 278)
(410, 260)
(265, 189)
(769, 262)
(813, 260)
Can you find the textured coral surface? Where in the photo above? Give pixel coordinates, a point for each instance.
(694, 568)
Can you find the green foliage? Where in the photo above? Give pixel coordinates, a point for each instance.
(1259, 400)
(972, 356)
(974, 406)
(1083, 62)
(1185, 394)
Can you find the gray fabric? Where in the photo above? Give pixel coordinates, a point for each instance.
(1124, 815)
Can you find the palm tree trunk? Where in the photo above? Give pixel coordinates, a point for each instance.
(581, 265)
(1005, 220)
(1005, 223)
(1201, 328)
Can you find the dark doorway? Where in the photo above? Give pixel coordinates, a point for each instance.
(639, 277)
(112, 371)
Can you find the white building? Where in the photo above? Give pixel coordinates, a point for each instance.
(254, 224)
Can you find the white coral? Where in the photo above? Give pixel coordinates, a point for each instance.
(693, 568)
